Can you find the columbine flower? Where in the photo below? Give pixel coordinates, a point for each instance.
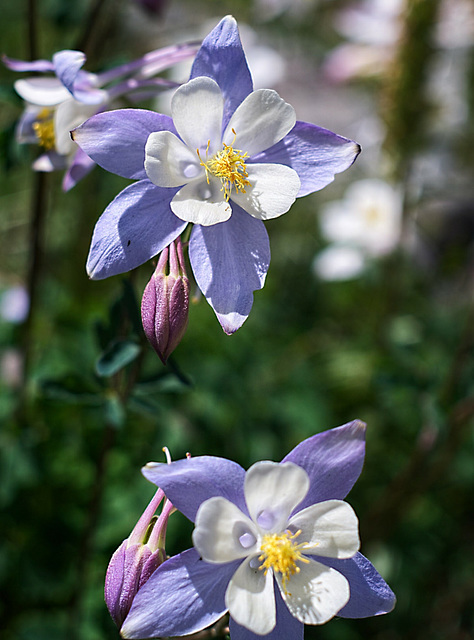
(165, 302)
(228, 159)
(366, 223)
(276, 546)
(137, 558)
(57, 103)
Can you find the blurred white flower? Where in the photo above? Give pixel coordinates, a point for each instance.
(366, 223)
(373, 29)
(14, 304)
(338, 263)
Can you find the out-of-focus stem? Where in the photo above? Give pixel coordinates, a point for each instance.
(32, 30)
(85, 40)
(35, 242)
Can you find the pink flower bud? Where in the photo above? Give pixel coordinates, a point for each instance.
(136, 559)
(165, 302)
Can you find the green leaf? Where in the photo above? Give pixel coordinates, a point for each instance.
(118, 354)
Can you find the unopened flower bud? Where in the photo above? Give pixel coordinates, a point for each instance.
(137, 558)
(165, 302)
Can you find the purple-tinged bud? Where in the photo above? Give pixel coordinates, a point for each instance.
(165, 302)
(137, 558)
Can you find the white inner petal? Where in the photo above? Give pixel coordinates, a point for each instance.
(197, 109)
(168, 161)
(330, 527)
(272, 491)
(259, 122)
(201, 203)
(316, 593)
(273, 189)
(68, 115)
(250, 598)
(220, 529)
(44, 92)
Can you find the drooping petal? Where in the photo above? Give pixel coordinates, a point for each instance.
(222, 58)
(43, 92)
(24, 65)
(116, 140)
(197, 108)
(261, 121)
(315, 594)
(183, 596)
(202, 203)
(230, 262)
(272, 492)
(332, 526)
(24, 131)
(136, 226)
(333, 461)
(79, 168)
(286, 627)
(250, 597)
(66, 65)
(69, 114)
(370, 594)
(316, 155)
(168, 161)
(188, 483)
(273, 189)
(222, 532)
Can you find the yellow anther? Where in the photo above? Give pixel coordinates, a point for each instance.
(281, 553)
(44, 129)
(229, 166)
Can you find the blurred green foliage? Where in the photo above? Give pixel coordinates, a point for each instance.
(393, 347)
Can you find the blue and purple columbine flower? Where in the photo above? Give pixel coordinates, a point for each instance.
(67, 95)
(276, 546)
(228, 159)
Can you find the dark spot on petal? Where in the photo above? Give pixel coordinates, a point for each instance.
(128, 243)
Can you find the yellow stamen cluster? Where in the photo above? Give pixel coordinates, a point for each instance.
(229, 166)
(44, 129)
(281, 553)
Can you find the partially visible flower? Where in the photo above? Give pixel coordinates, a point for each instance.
(165, 302)
(229, 159)
(368, 217)
(276, 546)
(366, 223)
(137, 558)
(14, 304)
(57, 103)
(373, 30)
(338, 263)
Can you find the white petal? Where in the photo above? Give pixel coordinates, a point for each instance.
(69, 115)
(222, 532)
(338, 262)
(272, 490)
(201, 203)
(250, 598)
(331, 527)
(259, 122)
(197, 109)
(316, 593)
(44, 92)
(273, 189)
(168, 161)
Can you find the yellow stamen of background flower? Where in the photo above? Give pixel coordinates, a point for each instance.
(229, 166)
(44, 129)
(281, 553)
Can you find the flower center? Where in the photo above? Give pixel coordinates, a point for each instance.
(229, 166)
(281, 553)
(44, 129)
